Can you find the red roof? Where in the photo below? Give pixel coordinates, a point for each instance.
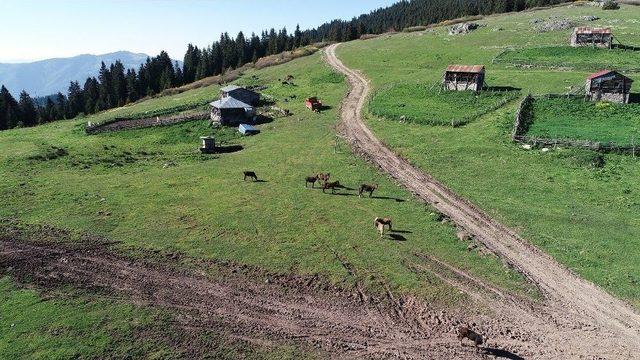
(476, 69)
(603, 73)
(588, 30)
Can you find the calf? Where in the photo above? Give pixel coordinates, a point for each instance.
(311, 180)
(383, 221)
(367, 188)
(323, 177)
(331, 185)
(465, 333)
(250, 175)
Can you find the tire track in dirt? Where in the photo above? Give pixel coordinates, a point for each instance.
(568, 296)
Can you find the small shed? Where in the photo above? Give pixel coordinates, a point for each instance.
(231, 112)
(608, 85)
(208, 145)
(239, 93)
(464, 77)
(596, 37)
(246, 129)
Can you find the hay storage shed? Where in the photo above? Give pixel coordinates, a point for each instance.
(464, 77)
(231, 112)
(608, 85)
(239, 93)
(596, 37)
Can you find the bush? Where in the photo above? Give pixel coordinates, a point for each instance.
(415, 29)
(610, 5)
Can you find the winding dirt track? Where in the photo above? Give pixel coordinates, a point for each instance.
(567, 295)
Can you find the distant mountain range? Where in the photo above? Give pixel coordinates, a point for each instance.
(46, 77)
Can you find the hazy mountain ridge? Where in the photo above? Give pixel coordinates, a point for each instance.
(45, 77)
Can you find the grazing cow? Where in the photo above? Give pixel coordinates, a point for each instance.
(383, 221)
(367, 188)
(331, 185)
(250, 175)
(311, 180)
(466, 332)
(323, 177)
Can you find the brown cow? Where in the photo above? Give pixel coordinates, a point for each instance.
(464, 332)
(250, 175)
(331, 185)
(367, 188)
(380, 223)
(323, 177)
(311, 180)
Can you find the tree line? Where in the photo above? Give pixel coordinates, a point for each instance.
(116, 86)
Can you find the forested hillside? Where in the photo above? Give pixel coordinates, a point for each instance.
(116, 86)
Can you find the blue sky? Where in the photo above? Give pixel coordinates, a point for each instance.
(40, 29)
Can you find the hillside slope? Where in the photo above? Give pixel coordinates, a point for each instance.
(584, 215)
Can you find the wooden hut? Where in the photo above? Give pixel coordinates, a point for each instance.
(231, 112)
(608, 85)
(464, 77)
(596, 37)
(245, 95)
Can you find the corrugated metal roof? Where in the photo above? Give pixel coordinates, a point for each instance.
(229, 88)
(606, 72)
(230, 103)
(466, 68)
(589, 30)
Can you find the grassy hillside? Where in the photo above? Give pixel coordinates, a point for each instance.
(585, 216)
(152, 190)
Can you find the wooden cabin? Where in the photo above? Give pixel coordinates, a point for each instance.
(464, 77)
(608, 85)
(232, 112)
(596, 37)
(245, 95)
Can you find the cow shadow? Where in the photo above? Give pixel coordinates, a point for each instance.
(499, 353)
(396, 237)
(388, 198)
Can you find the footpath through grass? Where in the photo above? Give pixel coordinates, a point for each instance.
(576, 119)
(585, 216)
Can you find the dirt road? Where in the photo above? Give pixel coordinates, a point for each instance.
(568, 296)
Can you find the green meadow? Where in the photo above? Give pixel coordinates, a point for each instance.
(579, 58)
(585, 216)
(577, 119)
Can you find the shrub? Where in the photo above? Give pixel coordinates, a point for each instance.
(610, 5)
(415, 29)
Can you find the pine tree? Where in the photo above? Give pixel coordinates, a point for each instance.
(61, 108)
(28, 112)
(9, 109)
(91, 93)
(105, 97)
(76, 99)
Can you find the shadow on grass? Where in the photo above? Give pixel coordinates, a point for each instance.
(228, 149)
(502, 88)
(396, 237)
(387, 198)
(626, 47)
(634, 98)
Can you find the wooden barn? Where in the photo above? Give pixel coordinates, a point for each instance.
(245, 95)
(608, 85)
(596, 37)
(464, 77)
(231, 112)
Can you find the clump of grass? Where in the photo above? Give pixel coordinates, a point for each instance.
(50, 153)
(583, 158)
(430, 105)
(610, 5)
